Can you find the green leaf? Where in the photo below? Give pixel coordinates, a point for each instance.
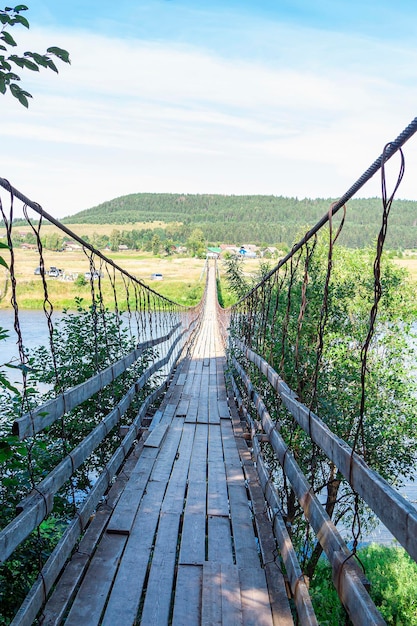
(2, 261)
(30, 65)
(8, 38)
(11, 76)
(60, 53)
(52, 65)
(4, 19)
(4, 245)
(21, 20)
(17, 60)
(6, 451)
(5, 383)
(21, 7)
(2, 85)
(6, 66)
(21, 95)
(40, 59)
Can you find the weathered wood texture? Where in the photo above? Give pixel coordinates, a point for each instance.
(180, 544)
(349, 577)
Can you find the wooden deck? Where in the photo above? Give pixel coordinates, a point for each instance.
(183, 537)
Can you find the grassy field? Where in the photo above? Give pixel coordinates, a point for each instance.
(182, 277)
(410, 265)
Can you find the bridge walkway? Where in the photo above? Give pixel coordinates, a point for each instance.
(183, 537)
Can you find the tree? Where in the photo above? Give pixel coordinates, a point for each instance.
(33, 61)
(115, 239)
(156, 244)
(196, 243)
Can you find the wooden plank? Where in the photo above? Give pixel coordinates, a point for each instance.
(256, 607)
(193, 539)
(155, 419)
(217, 497)
(221, 601)
(219, 540)
(211, 609)
(127, 590)
(192, 410)
(166, 457)
(214, 415)
(232, 610)
(92, 595)
(232, 459)
(124, 514)
(182, 408)
(243, 533)
(187, 602)
(198, 464)
(169, 412)
(223, 409)
(175, 493)
(157, 605)
(157, 436)
(181, 379)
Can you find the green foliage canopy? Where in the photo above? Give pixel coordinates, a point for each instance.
(33, 61)
(261, 220)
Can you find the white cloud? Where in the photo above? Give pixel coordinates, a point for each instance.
(137, 116)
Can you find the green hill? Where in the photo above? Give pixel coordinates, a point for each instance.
(256, 219)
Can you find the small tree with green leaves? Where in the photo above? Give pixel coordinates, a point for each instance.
(10, 17)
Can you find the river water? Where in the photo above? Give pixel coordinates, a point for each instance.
(34, 333)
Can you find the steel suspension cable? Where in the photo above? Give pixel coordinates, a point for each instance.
(389, 151)
(37, 207)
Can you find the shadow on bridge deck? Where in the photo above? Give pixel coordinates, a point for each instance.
(181, 538)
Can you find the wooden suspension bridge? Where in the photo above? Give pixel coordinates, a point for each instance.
(183, 523)
(191, 530)
(178, 539)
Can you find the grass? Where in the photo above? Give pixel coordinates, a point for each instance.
(410, 265)
(182, 281)
(393, 577)
(182, 276)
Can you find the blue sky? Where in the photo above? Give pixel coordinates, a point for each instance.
(283, 97)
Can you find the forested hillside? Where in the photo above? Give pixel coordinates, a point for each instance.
(256, 219)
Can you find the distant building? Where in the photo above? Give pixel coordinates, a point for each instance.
(247, 253)
(213, 253)
(72, 246)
